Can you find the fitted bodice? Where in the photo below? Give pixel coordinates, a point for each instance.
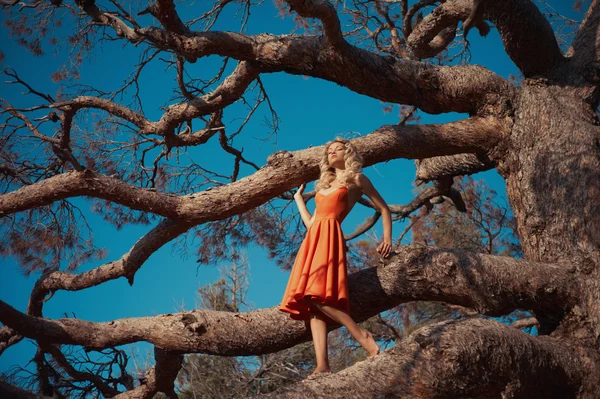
(333, 205)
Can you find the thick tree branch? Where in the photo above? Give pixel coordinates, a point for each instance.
(13, 392)
(434, 33)
(285, 170)
(474, 358)
(492, 285)
(527, 35)
(452, 165)
(431, 88)
(585, 52)
(325, 11)
(167, 367)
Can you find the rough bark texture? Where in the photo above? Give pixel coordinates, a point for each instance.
(453, 359)
(492, 285)
(542, 136)
(556, 160)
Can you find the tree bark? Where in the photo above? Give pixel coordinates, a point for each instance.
(552, 174)
(473, 358)
(491, 285)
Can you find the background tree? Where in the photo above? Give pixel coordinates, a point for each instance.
(539, 131)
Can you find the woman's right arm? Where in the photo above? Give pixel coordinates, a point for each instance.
(307, 218)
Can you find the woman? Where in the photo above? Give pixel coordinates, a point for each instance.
(317, 289)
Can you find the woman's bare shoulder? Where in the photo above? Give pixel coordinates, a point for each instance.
(360, 180)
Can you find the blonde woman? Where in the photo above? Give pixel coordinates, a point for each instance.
(317, 289)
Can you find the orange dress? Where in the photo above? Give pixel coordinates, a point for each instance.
(319, 271)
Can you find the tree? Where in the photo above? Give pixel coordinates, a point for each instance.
(540, 133)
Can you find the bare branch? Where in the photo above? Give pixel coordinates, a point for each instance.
(465, 358)
(388, 142)
(8, 337)
(452, 165)
(585, 50)
(490, 284)
(228, 91)
(432, 35)
(527, 35)
(164, 11)
(325, 11)
(524, 323)
(127, 266)
(77, 375)
(167, 367)
(146, 390)
(441, 187)
(437, 89)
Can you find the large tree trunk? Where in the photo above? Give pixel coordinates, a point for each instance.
(552, 172)
(543, 137)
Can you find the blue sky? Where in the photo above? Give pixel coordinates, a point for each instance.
(311, 112)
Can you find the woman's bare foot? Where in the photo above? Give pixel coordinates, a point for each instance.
(318, 373)
(370, 345)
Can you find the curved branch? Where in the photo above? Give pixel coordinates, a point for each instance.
(441, 187)
(366, 225)
(585, 50)
(431, 88)
(472, 358)
(407, 27)
(8, 338)
(284, 172)
(127, 266)
(492, 285)
(452, 165)
(225, 94)
(325, 11)
(434, 33)
(527, 35)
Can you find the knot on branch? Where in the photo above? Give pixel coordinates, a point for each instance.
(427, 79)
(193, 324)
(448, 263)
(278, 157)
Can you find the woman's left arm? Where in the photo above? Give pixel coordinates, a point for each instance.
(367, 187)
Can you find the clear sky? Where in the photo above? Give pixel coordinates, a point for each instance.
(311, 112)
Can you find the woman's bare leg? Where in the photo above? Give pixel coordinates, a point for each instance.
(362, 336)
(318, 328)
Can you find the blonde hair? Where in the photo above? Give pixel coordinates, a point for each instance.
(352, 160)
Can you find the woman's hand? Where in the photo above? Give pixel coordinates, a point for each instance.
(385, 248)
(298, 194)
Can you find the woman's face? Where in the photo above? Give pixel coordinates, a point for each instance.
(335, 154)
